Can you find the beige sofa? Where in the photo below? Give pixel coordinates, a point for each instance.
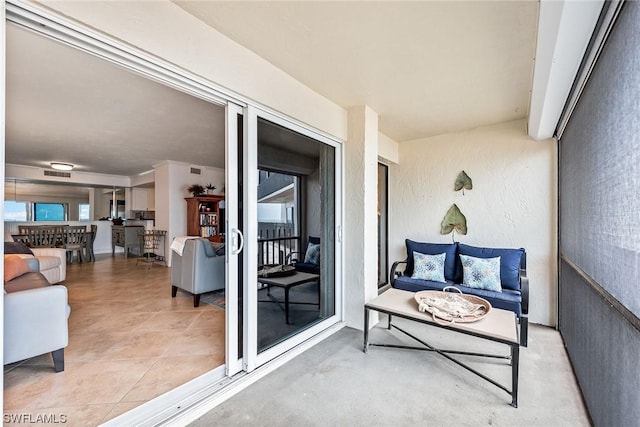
(53, 261)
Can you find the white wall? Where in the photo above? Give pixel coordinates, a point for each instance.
(172, 181)
(388, 149)
(512, 204)
(361, 207)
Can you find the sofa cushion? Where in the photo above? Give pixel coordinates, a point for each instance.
(16, 248)
(218, 248)
(415, 285)
(508, 299)
(428, 267)
(433, 249)
(481, 273)
(14, 266)
(509, 262)
(48, 262)
(31, 280)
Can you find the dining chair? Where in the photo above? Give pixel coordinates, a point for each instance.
(75, 240)
(91, 238)
(45, 237)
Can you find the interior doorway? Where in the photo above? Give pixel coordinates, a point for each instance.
(115, 126)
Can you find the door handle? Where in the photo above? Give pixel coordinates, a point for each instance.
(241, 239)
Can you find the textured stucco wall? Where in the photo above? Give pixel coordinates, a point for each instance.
(513, 202)
(361, 227)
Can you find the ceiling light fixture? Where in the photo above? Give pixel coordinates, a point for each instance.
(62, 166)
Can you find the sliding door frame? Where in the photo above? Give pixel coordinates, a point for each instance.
(53, 25)
(254, 359)
(234, 239)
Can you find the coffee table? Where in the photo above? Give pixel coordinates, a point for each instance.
(288, 282)
(498, 326)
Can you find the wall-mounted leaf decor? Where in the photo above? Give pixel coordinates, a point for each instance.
(463, 181)
(454, 221)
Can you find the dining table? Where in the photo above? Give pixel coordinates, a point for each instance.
(72, 238)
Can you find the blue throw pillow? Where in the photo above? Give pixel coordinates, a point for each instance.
(481, 273)
(313, 254)
(433, 249)
(428, 267)
(509, 262)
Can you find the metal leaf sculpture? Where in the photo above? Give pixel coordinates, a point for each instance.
(463, 181)
(454, 220)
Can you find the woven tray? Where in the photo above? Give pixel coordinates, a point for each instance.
(433, 299)
(276, 270)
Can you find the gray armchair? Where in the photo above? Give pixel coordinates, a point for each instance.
(35, 318)
(197, 270)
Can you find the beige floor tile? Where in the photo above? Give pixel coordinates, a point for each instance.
(152, 344)
(213, 320)
(127, 336)
(96, 382)
(169, 320)
(25, 384)
(169, 373)
(108, 322)
(121, 408)
(196, 342)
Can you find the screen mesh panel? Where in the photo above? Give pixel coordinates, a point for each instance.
(603, 348)
(600, 168)
(599, 179)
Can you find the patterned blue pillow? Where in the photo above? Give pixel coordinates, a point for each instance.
(428, 267)
(313, 254)
(481, 273)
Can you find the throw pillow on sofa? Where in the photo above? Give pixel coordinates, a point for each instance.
(14, 266)
(481, 273)
(433, 249)
(16, 248)
(428, 267)
(312, 255)
(509, 262)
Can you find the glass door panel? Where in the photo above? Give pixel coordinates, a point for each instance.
(296, 236)
(291, 197)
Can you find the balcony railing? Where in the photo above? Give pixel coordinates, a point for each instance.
(275, 246)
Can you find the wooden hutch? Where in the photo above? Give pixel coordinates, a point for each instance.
(203, 217)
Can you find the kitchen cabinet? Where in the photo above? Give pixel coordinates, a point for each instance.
(142, 199)
(127, 237)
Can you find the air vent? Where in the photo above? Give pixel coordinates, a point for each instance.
(196, 171)
(58, 174)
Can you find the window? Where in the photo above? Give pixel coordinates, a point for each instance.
(83, 212)
(49, 212)
(15, 211)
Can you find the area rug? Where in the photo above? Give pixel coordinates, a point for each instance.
(214, 298)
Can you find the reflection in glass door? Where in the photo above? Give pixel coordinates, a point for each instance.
(295, 233)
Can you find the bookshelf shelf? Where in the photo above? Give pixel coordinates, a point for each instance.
(203, 217)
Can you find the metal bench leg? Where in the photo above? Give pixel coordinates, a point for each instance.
(515, 365)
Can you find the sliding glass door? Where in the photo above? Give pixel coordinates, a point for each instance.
(291, 256)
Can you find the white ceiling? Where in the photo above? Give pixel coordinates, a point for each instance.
(66, 105)
(426, 68)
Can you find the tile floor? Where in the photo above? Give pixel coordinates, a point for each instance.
(129, 342)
